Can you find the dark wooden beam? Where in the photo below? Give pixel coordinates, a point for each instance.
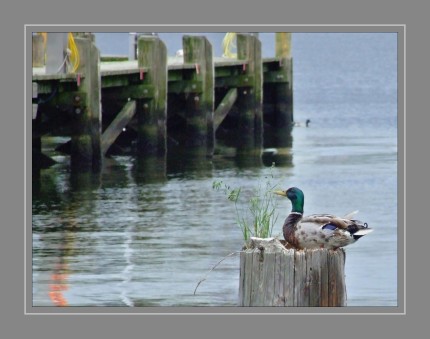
(224, 107)
(115, 128)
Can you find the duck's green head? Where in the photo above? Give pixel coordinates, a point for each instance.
(296, 196)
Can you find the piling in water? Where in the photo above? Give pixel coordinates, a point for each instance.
(38, 51)
(152, 111)
(250, 97)
(284, 89)
(86, 131)
(271, 275)
(200, 132)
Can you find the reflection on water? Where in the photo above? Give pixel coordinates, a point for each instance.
(141, 232)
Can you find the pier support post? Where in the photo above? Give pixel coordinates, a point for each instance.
(152, 113)
(36, 121)
(250, 99)
(284, 91)
(271, 275)
(86, 132)
(56, 51)
(200, 132)
(39, 160)
(36, 143)
(38, 51)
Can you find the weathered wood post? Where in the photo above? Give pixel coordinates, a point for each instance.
(250, 97)
(284, 89)
(38, 51)
(271, 275)
(152, 112)
(36, 121)
(86, 132)
(39, 160)
(56, 52)
(200, 132)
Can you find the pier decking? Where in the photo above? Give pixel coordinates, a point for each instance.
(194, 100)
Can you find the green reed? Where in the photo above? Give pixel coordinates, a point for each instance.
(256, 210)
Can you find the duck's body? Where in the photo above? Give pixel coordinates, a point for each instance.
(319, 230)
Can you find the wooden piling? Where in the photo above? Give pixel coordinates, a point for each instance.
(283, 44)
(39, 160)
(200, 131)
(250, 98)
(36, 121)
(271, 275)
(284, 89)
(152, 112)
(38, 51)
(86, 132)
(56, 52)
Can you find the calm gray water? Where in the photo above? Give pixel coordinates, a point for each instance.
(127, 240)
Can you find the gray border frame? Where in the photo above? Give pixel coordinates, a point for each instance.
(414, 14)
(401, 252)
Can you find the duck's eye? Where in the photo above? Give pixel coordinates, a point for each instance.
(366, 225)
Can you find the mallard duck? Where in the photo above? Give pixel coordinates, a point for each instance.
(319, 230)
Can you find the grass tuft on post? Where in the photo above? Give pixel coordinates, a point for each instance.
(256, 211)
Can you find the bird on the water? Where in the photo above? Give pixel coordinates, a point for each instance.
(299, 124)
(319, 230)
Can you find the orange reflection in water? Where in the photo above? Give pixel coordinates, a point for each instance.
(58, 285)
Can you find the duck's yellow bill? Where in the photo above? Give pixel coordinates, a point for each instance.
(280, 193)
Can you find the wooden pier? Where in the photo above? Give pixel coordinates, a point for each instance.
(158, 102)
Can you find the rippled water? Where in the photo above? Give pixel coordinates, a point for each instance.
(123, 238)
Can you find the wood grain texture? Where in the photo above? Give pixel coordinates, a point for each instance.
(271, 275)
(152, 113)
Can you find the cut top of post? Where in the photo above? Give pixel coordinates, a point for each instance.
(283, 45)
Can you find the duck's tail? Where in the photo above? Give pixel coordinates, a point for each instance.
(351, 214)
